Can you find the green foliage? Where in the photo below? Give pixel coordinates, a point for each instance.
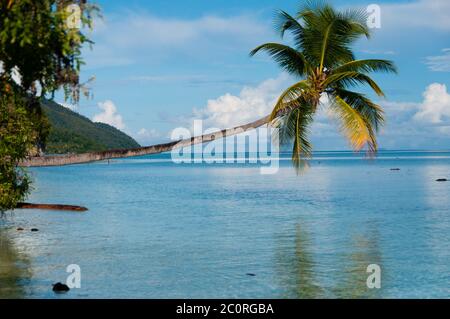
(324, 62)
(16, 139)
(39, 47)
(35, 41)
(73, 133)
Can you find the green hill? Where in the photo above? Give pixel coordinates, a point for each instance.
(73, 133)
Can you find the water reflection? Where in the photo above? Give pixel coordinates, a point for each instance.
(297, 269)
(14, 268)
(364, 251)
(305, 274)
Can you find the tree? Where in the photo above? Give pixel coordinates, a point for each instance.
(40, 52)
(16, 133)
(322, 59)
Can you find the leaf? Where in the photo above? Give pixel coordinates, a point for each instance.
(289, 99)
(288, 58)
(294, 128)
(354, 126)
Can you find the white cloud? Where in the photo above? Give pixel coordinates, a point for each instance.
(109, 115)
(252, 103)
(422, 125)
(439, 63)
(436, 104)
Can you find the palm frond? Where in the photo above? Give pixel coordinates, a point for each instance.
(328, 33)
(294, 128)
(288, 58)
(354, 126)
(351, 78)
(289, 99)
(285, 22)
(357, 20)
(372, 112)
(366, 66)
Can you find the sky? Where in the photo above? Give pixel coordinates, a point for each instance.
(159, 65)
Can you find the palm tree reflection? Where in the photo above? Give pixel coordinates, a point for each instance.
(304, 275)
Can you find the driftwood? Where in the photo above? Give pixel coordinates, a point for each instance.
(71, 159)
(51, 207)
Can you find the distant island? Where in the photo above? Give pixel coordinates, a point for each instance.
(74, 133)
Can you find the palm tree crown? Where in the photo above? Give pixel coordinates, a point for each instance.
(322, 60)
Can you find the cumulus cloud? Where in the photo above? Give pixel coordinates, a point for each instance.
(418, 125)
(439, 63)
(436, 104)
(109, 115)
(250, 104)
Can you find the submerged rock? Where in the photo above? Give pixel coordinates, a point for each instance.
(59, 287)
(19, 228)
(442, 180)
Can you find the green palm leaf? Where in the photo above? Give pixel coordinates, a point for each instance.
(293, 127)
(288, 58)
(285, 22)
(328, 34)
(366, 66)
(289, 99)
(351, 78)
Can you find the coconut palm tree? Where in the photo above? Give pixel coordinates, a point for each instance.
(322, 60)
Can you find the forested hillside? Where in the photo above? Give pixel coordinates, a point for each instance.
(73, 133)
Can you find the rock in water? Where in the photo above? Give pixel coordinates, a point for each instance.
(442, 180)
(59, 287)
(19, 229)
(34, 229)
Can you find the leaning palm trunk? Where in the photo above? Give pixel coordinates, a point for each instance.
(140, 151)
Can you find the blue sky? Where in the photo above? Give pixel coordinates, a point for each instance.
(160, 64)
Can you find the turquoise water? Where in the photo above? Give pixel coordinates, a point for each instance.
(161, 230)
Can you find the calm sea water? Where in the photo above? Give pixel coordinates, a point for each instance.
(160, 230)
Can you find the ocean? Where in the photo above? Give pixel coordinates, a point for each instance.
(156, 229)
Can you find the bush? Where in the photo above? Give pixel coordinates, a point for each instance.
(17, 136)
